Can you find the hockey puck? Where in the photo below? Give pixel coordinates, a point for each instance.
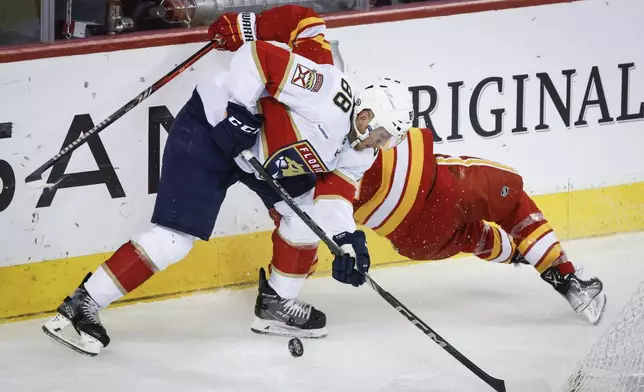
(296, 347)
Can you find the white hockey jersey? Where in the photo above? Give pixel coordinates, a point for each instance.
(307, 108)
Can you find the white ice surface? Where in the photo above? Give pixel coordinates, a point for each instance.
(505, 319)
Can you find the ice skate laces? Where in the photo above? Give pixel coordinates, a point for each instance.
(297, 309)
(90, 310)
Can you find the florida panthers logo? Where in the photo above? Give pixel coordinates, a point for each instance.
(289, 167)
(294, 160)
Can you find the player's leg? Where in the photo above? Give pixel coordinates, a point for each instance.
(489, 192)
(193, 184)
(277, 309)
(495, 194)
(538, 245)
(490, 243)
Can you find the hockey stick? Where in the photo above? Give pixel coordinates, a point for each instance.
(37, 174)
(495, 383)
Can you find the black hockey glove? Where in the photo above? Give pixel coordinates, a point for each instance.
(238, 131)
(351, 266)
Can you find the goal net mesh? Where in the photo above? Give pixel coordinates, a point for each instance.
(616, 362)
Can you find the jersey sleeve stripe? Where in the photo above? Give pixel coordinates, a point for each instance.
(319, 39)
(304, 24)
(258, 64)
(311, 31)
(279, 129)
(287, 72)
(412, 186)
(296, 131)
(388, 167)
(273, 65)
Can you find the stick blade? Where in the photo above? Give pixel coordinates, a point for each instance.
(530, 385)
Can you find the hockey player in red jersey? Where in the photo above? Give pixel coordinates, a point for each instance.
(294, 111)
(433, 206)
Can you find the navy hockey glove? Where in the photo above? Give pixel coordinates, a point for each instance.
(351, 266)
(238, 131)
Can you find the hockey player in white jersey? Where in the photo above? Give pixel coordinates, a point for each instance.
(295, 111)
(381, 110)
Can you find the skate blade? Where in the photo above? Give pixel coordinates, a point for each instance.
(276, 328)
(84, 344)
(595, 310)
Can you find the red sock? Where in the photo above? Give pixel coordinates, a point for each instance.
(566, 268)
(129, 267)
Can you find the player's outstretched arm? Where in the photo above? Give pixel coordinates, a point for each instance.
(300, 28)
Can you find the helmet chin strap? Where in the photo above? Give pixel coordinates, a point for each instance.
(373, 124)
(359, 136)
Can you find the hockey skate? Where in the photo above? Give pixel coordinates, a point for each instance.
(586, 297)
(518, 259)
(79, 311)
(277, 316)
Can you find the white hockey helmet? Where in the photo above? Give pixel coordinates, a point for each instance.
(390, 102)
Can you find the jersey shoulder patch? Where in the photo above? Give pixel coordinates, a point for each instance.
(307, 78)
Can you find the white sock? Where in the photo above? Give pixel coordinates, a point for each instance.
(102, 288)
(286, 286)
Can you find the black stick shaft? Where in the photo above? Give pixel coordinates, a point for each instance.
(37, 174)
(250, 158)
(498, 385)
(495, 383)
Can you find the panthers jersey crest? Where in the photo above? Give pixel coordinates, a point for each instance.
(294, 160)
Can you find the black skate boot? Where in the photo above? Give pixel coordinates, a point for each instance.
(586, 297)
(81, 312)
(285, 317)
(518, 259)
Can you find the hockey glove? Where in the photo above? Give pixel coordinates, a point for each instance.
(352, 265)
(231, 30)
(238, 131)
